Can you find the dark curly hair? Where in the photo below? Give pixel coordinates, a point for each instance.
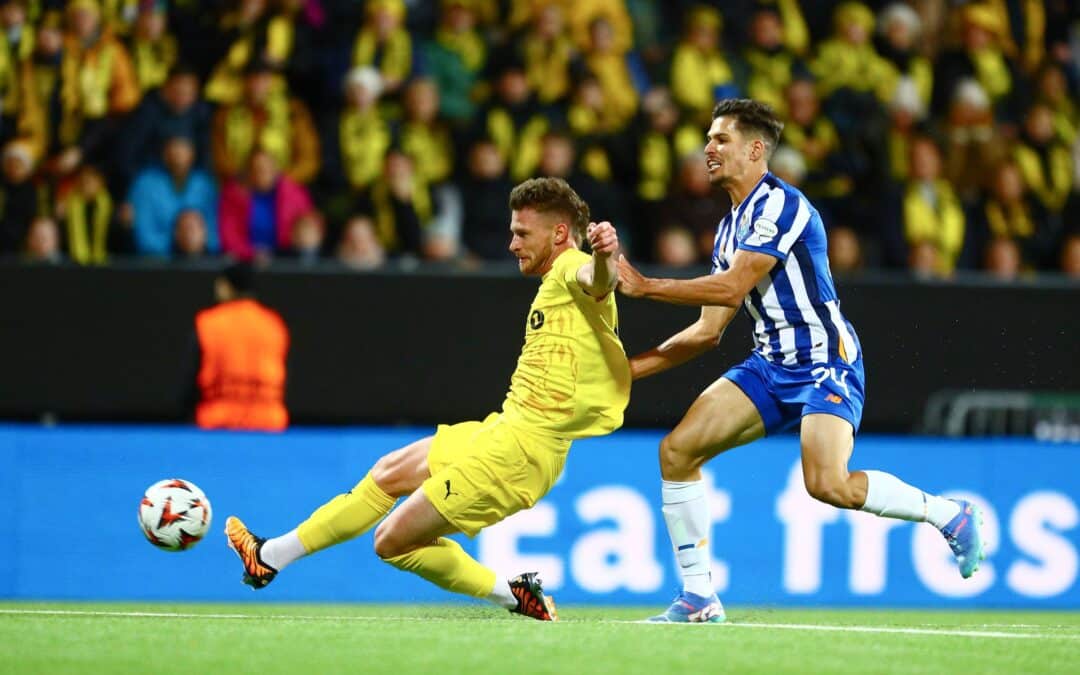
(552, 195)
(752, 117)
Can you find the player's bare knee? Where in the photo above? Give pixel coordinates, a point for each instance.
(677, 460)
(830, 489)
(383, 473)
(386, 546)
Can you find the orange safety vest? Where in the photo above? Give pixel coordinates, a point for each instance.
(242, 375)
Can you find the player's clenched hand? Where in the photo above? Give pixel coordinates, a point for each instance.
(631, 282)
(602, 238)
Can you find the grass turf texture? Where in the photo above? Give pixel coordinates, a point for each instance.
(401, 639)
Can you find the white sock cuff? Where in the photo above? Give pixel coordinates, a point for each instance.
(675, 492)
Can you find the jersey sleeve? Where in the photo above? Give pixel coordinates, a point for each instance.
(776, 224)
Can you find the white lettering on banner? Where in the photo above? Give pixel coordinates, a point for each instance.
(719, 510)
(622, 557)
(935, 564)
(1034, 527)
(497, 546)
(804, 519)
(869, 568)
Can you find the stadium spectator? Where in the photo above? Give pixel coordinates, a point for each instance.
(174, 109)
(455, 59)
(845, 251)
(1052, 90)
(694, 205)
(788, 165)
(548, 50)
(906, 111)
(160, 193)
(618, 72)
(1002, 259)
(578, 16)
(513, 120)
(39, 81)
(899, 30)
(559, 159)
(931, 212)
(271, 120)
(660, 141)
(423, 137)
(16, 46)
(384, 43)
(242, 351)
(1070, 257)
(43, 241)
(308, 236)
(980, 55)
(359, 248)
(676, 247)
(256, 216)
(778, 39)
(153, 48)
(18, 195)
(1008, 212)
(362, 134)
(190, 236)
(401, 204)
(254, 35)
(972, 144)
(1045, 161)
(848, 65)
(485, 190)
(86, 209)
(816, 139)
(700, 72)
(97, 89)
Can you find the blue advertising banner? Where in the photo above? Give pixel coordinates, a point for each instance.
(72, 493)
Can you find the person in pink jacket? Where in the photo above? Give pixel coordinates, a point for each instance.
(256, 214)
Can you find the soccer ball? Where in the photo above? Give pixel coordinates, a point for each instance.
(174, 514)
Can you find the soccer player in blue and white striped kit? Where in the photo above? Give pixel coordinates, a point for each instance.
(770, 258)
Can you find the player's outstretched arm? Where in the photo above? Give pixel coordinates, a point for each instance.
(726, 289)
(691, 342)
(598, 277)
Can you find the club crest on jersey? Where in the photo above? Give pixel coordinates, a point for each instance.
(744, 227)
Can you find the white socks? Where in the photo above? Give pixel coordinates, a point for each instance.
(281, 551)
(687, 515)
(501, 595)
(890, 497)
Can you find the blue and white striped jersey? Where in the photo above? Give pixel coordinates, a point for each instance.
(796, 313)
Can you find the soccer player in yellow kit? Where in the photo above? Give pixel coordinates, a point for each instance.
(572, 381)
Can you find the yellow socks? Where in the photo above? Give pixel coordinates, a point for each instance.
(448, 566)
(345, 516)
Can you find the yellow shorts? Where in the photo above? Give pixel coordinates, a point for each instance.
(482, 472)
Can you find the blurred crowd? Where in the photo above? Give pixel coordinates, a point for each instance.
(933, 135)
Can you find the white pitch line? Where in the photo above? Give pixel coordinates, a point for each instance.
(907, 631)
(725, 626)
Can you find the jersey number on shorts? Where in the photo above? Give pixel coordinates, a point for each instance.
(821, 373)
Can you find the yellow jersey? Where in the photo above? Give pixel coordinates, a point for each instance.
(572, 379)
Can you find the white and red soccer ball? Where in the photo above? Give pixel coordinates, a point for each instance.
(174, 514)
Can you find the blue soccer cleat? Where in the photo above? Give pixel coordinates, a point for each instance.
(692, 608)
(964, 537)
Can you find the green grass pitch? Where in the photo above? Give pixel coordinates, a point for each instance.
(159, 639)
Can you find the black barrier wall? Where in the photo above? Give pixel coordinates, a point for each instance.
(115, 343)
